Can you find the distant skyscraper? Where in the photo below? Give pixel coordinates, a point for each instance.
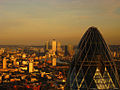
(68, 50)
(4, 63)
(31, 67)
(53, 61)
(47, 45)
(92, 67)
(54, 45)
(59, 46)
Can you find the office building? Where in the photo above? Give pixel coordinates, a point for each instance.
(31, 68)
(54, 45)
(53, 61)
(92, 67)
(59, 47)
(4, 63)
(47, 45)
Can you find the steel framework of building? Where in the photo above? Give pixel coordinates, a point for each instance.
(92, 66)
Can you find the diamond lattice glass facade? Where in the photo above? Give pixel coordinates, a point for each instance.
(92, 67)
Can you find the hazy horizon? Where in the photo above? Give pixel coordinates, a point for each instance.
(32, 22)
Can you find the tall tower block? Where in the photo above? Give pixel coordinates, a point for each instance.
(53, 61)
(31, 68)
(4, 63)
(92, 67)
(53, 45)
(47, 45)
(59, 46)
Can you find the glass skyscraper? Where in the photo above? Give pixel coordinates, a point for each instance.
(92, 67)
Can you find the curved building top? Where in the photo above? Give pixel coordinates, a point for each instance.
(91, 56)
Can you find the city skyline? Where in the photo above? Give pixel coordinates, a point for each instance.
(32, 22)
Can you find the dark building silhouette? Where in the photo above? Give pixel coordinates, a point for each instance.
(92, 67)
(66, 51)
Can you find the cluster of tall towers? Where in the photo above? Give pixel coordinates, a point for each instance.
(55, 46)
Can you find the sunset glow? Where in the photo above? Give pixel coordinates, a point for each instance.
(34, 21)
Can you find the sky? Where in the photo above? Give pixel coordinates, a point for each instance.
(32, 22)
